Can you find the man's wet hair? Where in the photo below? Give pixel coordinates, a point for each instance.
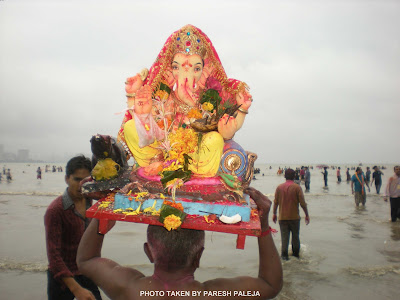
(358, 169)
(78, 162)
(175, 249)
(289, 174)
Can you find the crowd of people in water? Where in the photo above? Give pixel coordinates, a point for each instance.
(6, 173)
(371, 176)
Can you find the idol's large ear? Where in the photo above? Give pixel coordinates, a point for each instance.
(148, 252)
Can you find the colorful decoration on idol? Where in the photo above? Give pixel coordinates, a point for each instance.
(181, 118)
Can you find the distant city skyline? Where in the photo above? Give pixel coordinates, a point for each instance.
(25, 155)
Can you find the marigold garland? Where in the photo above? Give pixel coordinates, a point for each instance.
(194, 113)
(183, 141)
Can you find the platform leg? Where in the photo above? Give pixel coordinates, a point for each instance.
(240, 241)
(103, 226)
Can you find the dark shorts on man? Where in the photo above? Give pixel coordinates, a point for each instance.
(395, 208)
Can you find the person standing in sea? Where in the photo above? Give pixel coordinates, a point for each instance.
(8, 175)
(302, 172)
(65, 222)
(348, 177)
(393, 192)
(307, 179)
(377, 177)
(358, 183)
(39, 173)
(339, 176)
(288, 197)
(325, 173)
(368, 175)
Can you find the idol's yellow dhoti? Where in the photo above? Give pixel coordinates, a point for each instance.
(141, 155)
(205, 162)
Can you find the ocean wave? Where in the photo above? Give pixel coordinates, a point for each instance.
(373, 272)
(30, 193)
(34, 267)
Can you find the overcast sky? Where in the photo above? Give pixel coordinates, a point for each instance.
(324, 75)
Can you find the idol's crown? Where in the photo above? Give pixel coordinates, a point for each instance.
(189, 43)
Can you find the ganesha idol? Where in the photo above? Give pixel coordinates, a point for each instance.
(183, 113)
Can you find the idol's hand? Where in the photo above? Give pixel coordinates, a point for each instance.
(143, 101)
(245, 99)
(132, 84)
(227, 126)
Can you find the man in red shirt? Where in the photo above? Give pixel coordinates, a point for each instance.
(65, 222)
(288, 196)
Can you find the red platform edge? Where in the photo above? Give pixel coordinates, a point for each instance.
(242, 229)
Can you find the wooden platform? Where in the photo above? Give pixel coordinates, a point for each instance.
(242, 229)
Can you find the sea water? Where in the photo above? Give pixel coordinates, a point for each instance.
(346, 252)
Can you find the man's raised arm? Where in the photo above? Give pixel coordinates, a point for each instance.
(270, 279)
(106, 274)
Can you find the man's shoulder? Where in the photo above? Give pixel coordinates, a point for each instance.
(296, 187)
(55, 205)
(281, 186)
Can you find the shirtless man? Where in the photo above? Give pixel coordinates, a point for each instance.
(176, 256)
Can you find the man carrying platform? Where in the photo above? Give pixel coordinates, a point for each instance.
(176, 256)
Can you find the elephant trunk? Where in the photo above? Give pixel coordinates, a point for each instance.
(185, 90)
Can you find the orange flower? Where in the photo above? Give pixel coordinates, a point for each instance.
(194, 113)
(160, 123)
(176, 205)
(172, 222)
